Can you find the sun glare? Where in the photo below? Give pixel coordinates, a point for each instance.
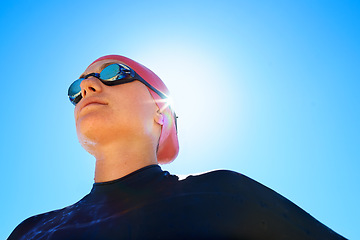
(192, 76)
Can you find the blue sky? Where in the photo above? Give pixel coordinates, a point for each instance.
(269, 89)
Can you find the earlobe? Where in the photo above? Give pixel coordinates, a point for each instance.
(159, 118)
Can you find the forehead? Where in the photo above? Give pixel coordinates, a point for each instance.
(100, 65)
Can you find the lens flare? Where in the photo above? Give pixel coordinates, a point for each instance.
(165, 103)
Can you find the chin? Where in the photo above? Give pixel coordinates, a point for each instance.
(90, 127)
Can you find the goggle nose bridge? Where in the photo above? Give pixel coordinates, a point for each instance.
(97, 75)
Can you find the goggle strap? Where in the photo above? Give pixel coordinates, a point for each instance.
(162, 95)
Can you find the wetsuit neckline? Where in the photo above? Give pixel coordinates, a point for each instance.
(148, 169)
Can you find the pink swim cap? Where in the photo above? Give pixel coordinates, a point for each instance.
(168, 143)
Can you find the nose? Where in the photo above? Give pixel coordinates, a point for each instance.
(90, 86)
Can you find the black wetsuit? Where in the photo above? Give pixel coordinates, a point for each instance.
(152, 204)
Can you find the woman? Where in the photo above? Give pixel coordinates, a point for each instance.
(124, 119)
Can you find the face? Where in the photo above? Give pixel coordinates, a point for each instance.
(107, 114)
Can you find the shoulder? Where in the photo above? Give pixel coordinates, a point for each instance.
(224, 180)
(263, 211)
(231, 183)
(30, 227)
(226, 175)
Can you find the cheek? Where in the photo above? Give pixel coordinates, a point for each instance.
(134, 111)
(135, 107)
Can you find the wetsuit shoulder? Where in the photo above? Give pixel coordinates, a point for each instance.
(29, 225)
(263, 211)
(221, 181)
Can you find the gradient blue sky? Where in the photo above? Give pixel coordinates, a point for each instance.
(269, 89)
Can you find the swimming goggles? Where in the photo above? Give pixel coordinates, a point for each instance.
(111, 75)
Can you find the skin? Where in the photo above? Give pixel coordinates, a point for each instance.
(119, 125)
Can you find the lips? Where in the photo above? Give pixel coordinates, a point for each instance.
(89, 101)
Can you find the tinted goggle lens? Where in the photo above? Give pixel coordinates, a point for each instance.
(111, 73)
(108, 75)
(74, 91)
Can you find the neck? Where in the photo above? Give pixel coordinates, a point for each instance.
(114, 161)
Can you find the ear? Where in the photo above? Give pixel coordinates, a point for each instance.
(159, 118)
